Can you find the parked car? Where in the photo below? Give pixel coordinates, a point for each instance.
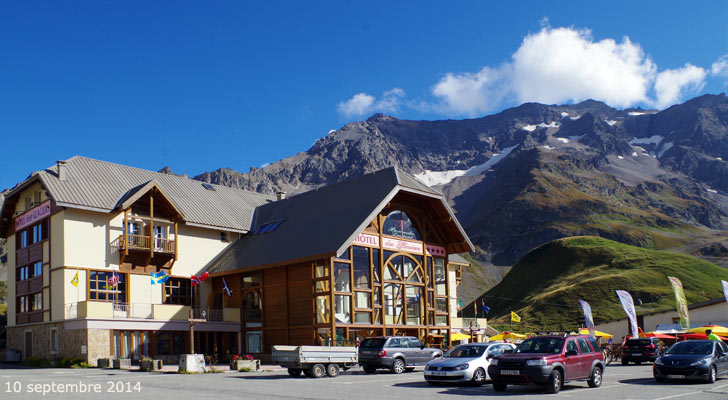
(702, 360)
(549, 361)
(396, 353)
(466, 363)
(640, 350)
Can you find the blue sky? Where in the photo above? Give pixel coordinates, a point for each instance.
(204, 85)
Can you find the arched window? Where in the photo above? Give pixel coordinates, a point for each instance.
(398, 224)
(404, 300)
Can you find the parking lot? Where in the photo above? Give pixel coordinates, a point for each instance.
(620, 382)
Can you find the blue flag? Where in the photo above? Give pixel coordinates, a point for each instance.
(486, 309)
(159, 277)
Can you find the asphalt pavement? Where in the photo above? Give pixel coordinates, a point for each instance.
(620, 382)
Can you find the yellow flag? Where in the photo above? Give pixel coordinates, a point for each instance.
(515, 317)
(74, 281)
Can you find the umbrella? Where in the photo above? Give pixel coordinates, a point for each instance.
(459, 336)
(659, 335)
(604, 335)
(506, 336)
(717, 329)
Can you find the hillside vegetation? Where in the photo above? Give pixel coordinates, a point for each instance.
(544, 287)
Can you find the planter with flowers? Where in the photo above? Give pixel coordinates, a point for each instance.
(245, 363)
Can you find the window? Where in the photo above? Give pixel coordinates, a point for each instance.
(342, 282)
(322, 309)
(224, 237)
(361, 268)
(38, 232)
(22, 305)
(178, 291)
(342, 311)
(584, 346)
(252, 309)
(254, 342)
(134, 227)
(398, 224)
(251, 279)
(36, 301)
(170, 343)
(37, 269)
(99, 289)
(571, 346)
(21, 273)
(22, 240)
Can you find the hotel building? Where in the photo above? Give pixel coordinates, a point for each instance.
(367, 256)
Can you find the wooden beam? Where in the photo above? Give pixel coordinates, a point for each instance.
(176, 241)
(151, 229)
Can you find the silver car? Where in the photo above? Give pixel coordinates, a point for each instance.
(466, 363)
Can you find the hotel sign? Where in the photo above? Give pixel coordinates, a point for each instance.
(33, 215)
(400, 245)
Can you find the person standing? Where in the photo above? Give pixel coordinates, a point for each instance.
(711, 335)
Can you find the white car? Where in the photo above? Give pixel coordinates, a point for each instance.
(466, 363)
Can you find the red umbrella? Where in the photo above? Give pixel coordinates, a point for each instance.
(699, 336)
(659, 335)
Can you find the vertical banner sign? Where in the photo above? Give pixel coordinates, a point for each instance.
(725, 290)
(588, 320)
(628, 306)
(682, 303)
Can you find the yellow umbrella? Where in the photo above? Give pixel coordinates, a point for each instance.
(717, 329)
(506, 336)
(603, 335)
(459, 336)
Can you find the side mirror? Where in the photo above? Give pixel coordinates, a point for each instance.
(572, 353)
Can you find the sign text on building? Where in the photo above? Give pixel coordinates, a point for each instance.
(33, 215)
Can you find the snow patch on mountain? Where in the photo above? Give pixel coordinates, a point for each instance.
(654, 139)
(434, 178)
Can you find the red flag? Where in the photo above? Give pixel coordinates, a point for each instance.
(197, 280)
(204, 276)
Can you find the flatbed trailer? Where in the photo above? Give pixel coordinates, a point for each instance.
(315, 361)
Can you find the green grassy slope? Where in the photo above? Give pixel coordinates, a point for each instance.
(545, 285)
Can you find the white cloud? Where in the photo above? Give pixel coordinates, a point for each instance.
(567, 65)
(554, 65)
(720, 67)
(671, 84)
(362, 103)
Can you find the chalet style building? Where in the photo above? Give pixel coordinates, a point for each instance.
(106, 260)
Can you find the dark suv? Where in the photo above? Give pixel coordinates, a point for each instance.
(549, 361)
(639, 350)
(396, 353)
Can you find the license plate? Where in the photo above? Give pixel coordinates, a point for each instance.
(436, 373)
(676, 377)
(636, 354)
(510, 372)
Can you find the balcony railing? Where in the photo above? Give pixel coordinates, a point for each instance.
(164, 312)
(139, 242)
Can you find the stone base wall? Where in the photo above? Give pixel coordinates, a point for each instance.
(88, 345)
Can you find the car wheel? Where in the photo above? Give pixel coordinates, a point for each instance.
(499, 386)
(317, 371)
(595, 380)
(553, 385)
(398, 366)
(294, 372)
(478, 377)
(369, 370)
(625, 361)
(332, 370)
(712, 375)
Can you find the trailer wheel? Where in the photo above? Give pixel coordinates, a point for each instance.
(317, 371)
(294, 372)
(332, 370)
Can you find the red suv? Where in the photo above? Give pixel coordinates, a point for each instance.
(549, 361)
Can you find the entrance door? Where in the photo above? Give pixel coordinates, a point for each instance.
(159, 235)
(28, 344)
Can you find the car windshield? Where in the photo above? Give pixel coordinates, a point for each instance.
(372, 343)
(541, 345)
(698, 348)
(465, 351)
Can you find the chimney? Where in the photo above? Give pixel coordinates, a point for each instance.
(281, 195)
(61, 169)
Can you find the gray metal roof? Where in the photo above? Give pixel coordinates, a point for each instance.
(320, 222)
(102, 186)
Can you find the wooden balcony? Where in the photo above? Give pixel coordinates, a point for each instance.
(145, 250)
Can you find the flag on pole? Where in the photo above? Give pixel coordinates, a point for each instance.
(588, 319)
(682, 303)
(159, 277)
(725, 289)
(74, 281)
(475, 308)
(460, 304)
(197, 280)
(486, 309)
(515, 317)
(628, 306)
(114, 280)
(225, 288)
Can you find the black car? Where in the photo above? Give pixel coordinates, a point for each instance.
(640, 350)
(702, 360)
(396, 353)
